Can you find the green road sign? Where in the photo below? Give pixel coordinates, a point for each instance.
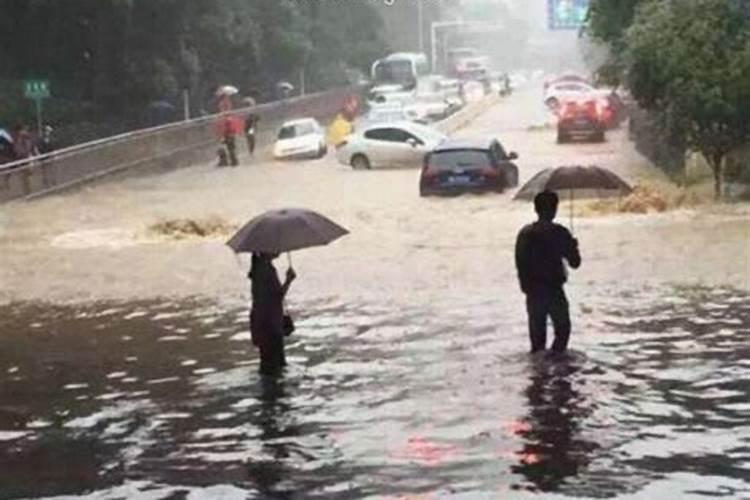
(36, 89)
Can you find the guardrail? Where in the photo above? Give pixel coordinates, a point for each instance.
(168, 146)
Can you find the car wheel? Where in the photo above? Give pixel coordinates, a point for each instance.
(360, 162)
(511, 176)
(552, 103)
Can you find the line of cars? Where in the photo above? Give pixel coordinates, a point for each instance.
(582, 110)
(448, 166)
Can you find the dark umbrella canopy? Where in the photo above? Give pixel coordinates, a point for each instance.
(285, 230)
(577, 181)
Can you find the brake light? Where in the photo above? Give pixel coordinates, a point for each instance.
(429, 172)
(489, 171)
(604, 109)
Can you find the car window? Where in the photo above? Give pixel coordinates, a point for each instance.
(305, 128)
(498, 151)
(384, 134)
(287, 132)
(460, 158)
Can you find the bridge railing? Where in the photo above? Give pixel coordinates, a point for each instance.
(168, 146)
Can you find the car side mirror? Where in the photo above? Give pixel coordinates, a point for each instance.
(513, 155)
(412, 142)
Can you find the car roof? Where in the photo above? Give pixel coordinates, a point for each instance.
(472, 143)
(299, 121)
(404, 124)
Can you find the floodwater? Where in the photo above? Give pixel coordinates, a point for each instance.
(127, 369)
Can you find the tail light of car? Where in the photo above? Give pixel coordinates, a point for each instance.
(603, 109)
(489, 171)
(429, 172)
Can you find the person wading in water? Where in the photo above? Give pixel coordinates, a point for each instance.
(267, 312)
(540, 250)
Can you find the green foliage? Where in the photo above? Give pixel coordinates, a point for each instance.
(690, 61)
(120, 55)
(607, 22)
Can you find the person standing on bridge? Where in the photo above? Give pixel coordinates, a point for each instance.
(541, 248)
(250, 125)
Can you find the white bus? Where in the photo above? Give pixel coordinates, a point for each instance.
(401, 68)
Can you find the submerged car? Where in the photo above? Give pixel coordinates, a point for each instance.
(303, 138)
(582, 119)
(398, 144)
(468, 166)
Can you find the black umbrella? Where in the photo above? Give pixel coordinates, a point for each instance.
(578, 181)
(285, 230)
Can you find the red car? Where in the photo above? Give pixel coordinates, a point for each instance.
(583, 119)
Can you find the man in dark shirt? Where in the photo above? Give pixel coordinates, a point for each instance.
(540, 250)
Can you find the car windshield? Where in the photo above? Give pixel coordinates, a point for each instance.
(460, 158)
(296, 130)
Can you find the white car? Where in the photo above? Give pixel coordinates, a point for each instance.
(382, 114)
(557, 93)
(399, 144)
(303, 138)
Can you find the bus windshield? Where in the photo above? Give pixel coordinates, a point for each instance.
(394, 72)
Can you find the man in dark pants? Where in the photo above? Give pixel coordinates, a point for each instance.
(540, 250)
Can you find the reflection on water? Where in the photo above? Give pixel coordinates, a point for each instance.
(553, 449)
(157, 400)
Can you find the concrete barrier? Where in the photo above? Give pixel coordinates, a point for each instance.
(169, 146)
(468, 114)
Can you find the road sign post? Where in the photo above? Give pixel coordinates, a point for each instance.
(38, 90)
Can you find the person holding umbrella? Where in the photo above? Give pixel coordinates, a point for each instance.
(267, 311)
(266, 236)
(541, 248)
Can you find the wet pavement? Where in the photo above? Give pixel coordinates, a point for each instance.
(127, 369)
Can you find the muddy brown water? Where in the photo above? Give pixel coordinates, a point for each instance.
(126, 369)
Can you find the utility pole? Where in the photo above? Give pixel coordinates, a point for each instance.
(420, 25)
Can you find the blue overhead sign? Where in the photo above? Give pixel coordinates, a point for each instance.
(567, 14)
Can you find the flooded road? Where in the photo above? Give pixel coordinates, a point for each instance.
(127, 370)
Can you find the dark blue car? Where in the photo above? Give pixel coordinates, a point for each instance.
(460, 166)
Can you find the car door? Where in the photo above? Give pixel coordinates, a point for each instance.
(402, 152)
(418, 148)
(376, 146)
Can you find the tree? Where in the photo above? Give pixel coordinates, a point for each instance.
(606, 22)
(690, 60)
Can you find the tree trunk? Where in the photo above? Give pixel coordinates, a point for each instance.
(717, 165)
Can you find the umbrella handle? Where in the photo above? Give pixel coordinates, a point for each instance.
(571, 210)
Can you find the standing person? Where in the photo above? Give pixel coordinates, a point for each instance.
(250, 126)
(23, 142)
(228, 128)
(540, 250)
(267, 312)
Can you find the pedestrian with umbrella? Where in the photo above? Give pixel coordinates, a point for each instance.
(266, 237)
(543, 248)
